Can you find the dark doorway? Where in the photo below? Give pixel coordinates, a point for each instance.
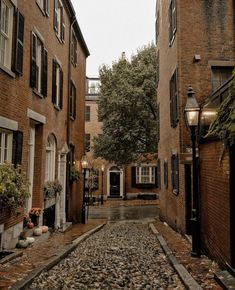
(49, 217)
(232, 205)
(188, 198)
(114, 184)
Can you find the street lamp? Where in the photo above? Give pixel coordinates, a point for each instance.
(84, 164)
(102, 177)
(192, 111)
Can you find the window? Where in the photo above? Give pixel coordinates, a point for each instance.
(220, 75)
(6, 22)
(145, 174)
(43, 4)
(159, 173)
(6, 37)
(175, 173)
(50, 158)
(166, 174)
(88, 113)
(59, 24)
(157, 22)
(5, 146)
(72, 101)
(172, 21)
(87, 142)
(39, 60)
(174, 110)
(74, 49)
(57, 85)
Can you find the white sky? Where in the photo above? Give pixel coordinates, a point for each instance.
(110, 27)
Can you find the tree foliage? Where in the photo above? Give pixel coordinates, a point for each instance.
(128, 108)
(224, 125)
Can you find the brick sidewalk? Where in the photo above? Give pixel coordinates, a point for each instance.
(45, 247)
(202, 269)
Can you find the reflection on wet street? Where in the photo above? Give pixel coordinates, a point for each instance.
(124, 212)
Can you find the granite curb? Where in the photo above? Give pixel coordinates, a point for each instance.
(20, 285)
(184, 275)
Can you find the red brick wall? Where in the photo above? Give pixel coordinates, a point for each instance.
(205, 28)
(215, 207)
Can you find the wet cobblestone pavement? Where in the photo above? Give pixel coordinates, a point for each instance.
(123, 255)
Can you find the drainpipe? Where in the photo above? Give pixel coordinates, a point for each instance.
(73, 19)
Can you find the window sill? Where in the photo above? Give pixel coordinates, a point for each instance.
(59, 39)
(72, 118)
(7, 70)
(37, 93)
(57, 107)
(41, 9)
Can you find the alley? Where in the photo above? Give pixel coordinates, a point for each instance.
(123, 255)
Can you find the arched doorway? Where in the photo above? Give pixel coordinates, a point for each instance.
(115, 182)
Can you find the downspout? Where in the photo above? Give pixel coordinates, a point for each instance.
(73, 19)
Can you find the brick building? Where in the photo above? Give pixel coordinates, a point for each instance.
(42, 89)
(115, 181)
(195, 46)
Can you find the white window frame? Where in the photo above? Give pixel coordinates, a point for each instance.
(50, 159)
(59, 12)
(145, 174)
(57, 99)
(44, 6)
(6, 139)
(6, 32)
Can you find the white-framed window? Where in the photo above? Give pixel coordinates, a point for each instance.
(59, 23)
(6, 30)
(145, 174)
(74, 49)
(172, 21)
(57, 85)
(50, 159)
(38, 69)
(6, 139)
(43, 4)
(72, 101)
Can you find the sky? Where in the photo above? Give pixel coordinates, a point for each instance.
(111, 27)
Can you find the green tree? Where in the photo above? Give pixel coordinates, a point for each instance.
(128, 108)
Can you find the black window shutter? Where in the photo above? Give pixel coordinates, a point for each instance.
(54, 67)
(159, 173)
(133, 176)
(17, 147)
(75, 103)
(33, 66)
(156, 177)
(19, 43)
(71, 100)
(166, 174)
(176, 97)
(56, 5)
(62, 25)
(44, 73)
(177, 173)
(75, 50)
(61, 89)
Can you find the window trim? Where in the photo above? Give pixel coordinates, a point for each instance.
(45, 8)
(174, 99)
(172, 22)
(51, 162)
(72, 101)
(8, 147)
(57, 85)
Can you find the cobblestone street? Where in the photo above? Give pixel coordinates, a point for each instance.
(123, 255)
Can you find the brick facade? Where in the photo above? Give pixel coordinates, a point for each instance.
(28, 108)
(202, 42)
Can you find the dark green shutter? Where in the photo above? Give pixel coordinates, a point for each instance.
(19, 43)
(75, 103)
(17, 147)
(44, 72)
(33, 66)
(61, 89)
(54, 67)
(133, 176)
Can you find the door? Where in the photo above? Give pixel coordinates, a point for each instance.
(188, 198)
(61, 216)
(114, 184)
(31, 166)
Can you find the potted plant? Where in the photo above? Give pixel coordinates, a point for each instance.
(34, 214)
(74, 174)
(52, 188)
(14, 187)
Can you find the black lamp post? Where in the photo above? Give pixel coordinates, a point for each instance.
(192, 111)
(84, 164)
(102, 177)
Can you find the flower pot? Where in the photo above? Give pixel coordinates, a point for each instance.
(37, 231)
